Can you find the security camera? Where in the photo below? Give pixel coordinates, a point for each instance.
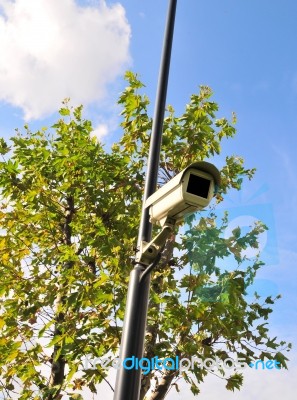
(191, 190)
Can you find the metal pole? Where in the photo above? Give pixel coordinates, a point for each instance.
(128, 380)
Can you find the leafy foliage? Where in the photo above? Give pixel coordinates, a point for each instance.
(63, 246)
(69, 219)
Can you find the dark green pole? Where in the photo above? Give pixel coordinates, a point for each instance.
(132, 345)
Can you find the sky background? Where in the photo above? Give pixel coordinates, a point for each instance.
(244, 50)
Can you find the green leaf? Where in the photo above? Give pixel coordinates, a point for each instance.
(64, 111)
(281, 358)
(234, 382)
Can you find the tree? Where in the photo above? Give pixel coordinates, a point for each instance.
(69, 217)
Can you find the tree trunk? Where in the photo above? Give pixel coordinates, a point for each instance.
(150, 342)
(58, 359)
(152, 333)
(58, 363)
(163, 385)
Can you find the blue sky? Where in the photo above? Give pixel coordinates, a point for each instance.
(244, 50)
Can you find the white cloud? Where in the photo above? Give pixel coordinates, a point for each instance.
(100, 131)
(264, 385)
(54, 49)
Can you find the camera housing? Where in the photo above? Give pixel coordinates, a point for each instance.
(190, 190)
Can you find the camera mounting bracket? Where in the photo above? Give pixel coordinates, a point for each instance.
(148, 252)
